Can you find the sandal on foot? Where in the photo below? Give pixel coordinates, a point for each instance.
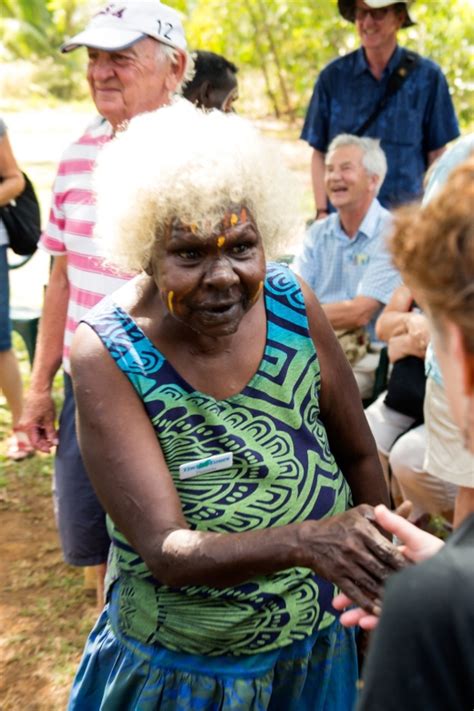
(19, 446)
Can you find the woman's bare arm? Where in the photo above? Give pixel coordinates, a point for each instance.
(12, 182)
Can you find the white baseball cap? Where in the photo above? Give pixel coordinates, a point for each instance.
(121, 24)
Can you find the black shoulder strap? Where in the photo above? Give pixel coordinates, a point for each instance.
(402, 71)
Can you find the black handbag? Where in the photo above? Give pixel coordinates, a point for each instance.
(22, 220)
(406, 387)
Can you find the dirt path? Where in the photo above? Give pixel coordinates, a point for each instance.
(45, 614)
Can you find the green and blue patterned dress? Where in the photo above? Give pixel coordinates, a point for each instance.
(272, 642)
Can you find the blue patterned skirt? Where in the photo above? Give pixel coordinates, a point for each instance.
(118, 673)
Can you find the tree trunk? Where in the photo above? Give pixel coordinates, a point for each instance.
(261, 55)
(276, 58)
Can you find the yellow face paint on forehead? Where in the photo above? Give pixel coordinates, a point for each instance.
(233, 217)
(221, 241)
(193, 228)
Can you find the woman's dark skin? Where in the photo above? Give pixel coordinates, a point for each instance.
(207, 316)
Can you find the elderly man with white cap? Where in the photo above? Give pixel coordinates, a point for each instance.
(383, 91)
(137, 60)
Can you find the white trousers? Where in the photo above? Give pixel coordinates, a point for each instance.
(428, 493)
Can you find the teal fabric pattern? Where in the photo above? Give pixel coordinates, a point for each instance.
(318, 673)
(282, 472)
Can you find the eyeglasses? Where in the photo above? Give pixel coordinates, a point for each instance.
(361, 13)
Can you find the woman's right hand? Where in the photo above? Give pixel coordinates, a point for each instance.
(38, 421)
(348, 550)
(412, 341)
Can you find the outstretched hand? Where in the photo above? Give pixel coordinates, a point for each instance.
(417, 545)
(349, 550)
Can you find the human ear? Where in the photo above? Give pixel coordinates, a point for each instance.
(374, 183)
(176, 71)
(401, 16)
(204, 93)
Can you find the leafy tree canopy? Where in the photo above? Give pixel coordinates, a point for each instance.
(279, 45)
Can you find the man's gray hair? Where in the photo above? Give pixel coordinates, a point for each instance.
(171, 53)
(373, 157)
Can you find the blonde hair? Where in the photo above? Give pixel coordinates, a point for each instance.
(181, 162)
(434, 249)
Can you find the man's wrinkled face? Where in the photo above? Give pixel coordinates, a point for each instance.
(131, 81)
(377, 28)
(347, 182)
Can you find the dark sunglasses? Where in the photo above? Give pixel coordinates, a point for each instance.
(360, 13)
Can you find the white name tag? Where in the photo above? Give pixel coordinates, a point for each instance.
(203, 466)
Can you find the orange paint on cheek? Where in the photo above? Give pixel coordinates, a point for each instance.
(170, 301)
(258, 292)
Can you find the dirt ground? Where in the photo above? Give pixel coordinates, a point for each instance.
(45, 613)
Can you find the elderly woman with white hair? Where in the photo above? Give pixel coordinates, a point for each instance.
(223, 432)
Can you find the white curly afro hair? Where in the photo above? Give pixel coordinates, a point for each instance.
(181, 162)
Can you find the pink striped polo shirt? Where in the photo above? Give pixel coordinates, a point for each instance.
(70, 226)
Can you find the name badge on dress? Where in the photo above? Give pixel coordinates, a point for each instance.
(204, 466)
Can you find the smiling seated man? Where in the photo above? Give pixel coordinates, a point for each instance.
(343, 257)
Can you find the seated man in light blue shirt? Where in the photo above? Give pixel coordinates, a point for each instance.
(343, 257)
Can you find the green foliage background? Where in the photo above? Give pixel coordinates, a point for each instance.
(279, 45)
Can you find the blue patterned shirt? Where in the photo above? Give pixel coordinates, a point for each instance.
(419, 118)
(338, 267)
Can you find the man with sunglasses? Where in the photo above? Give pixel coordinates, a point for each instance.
(414, 124)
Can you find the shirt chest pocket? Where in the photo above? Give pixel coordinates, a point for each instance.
(401, 120)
